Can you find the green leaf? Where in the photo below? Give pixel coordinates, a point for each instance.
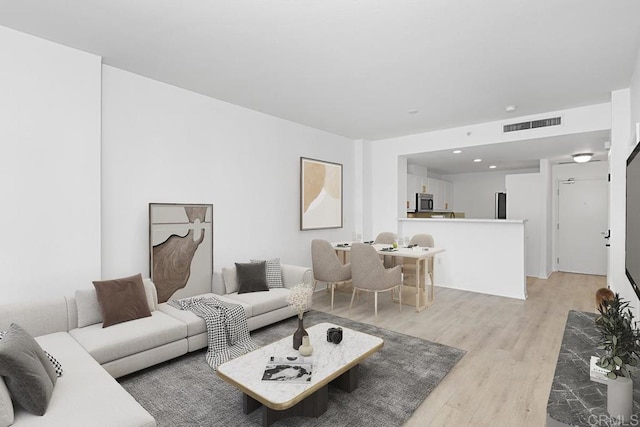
(618, 361)
(614, 340)
(612, 375)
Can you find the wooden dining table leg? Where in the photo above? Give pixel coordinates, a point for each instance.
(420, 283)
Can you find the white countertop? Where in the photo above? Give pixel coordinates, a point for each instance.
(493, 221)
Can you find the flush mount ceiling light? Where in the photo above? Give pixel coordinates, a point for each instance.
(582, 157)
(457, 151)
(511, 108)
(477, 160)
(492, 167)
(413, 111)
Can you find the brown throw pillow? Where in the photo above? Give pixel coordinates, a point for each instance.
(122, 299)
(252, 277)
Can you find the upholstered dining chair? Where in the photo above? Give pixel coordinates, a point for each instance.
(387, 238)
(369, 275)
(409, 267)
(327, 266)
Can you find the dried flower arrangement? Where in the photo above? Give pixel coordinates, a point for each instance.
(300, 298)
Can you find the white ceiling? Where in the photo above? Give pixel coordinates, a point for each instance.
(355, 68)
(514, 155)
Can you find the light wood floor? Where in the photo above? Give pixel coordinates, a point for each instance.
(512, 347)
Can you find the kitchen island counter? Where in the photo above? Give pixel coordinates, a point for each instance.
(511, 221)
(482, 255)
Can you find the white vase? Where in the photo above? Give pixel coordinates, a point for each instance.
(305, 349)
(620, 398)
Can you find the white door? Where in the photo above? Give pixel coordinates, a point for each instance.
(582, 225)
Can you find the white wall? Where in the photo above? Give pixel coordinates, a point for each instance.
(165, 144)
(621, 145)
(474, 193)
(384, 187)
(524, 193)
(626, 115)
(49, 167)
(546, 219)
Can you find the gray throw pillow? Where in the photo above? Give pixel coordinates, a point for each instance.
(252, 277)
(274, 272)
(57, 366)
(27, 372)
(6, 406)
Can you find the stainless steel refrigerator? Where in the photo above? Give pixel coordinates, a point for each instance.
(501, 206)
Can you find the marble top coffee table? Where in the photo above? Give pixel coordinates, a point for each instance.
(332, 363)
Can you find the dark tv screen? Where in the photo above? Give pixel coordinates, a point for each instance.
(632, 240)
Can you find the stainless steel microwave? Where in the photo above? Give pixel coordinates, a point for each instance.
(424, 202)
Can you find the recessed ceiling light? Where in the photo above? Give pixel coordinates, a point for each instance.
(413, 111)
(492, 167)
(511, 108)
(457, 151)
(477, 160)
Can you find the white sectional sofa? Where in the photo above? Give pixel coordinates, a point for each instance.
(261, 308)
(85, 395)
(70, 329)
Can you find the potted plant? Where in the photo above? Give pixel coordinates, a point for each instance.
(620, 340)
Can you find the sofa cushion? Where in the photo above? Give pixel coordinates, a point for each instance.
(252, 277)
(6, 406)
(40, 317)
(122, 300)
(89, 309)
(262, 302)
(29, 376)
(230, 279)
(273, 272)
(125, 339)
(86, 395)
(196, 324)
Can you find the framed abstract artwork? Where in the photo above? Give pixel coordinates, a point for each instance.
(180, 249)
(320, 194)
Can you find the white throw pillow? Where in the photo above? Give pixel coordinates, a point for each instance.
(88, 308)
(6, 406)
(274, 272)
(230, 279)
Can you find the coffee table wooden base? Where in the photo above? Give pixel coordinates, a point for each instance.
(312, 406)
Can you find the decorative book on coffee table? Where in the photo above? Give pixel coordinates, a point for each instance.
(292, 369)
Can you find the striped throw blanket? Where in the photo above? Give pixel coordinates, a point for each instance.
(227, 330)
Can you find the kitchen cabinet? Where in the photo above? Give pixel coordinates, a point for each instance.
(415, 184)
(442, 191)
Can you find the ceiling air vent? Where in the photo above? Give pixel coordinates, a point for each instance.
(555, 121)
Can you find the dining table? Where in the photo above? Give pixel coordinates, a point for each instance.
(411, 258)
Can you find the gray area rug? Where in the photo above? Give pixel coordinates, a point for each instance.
(392, 383)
